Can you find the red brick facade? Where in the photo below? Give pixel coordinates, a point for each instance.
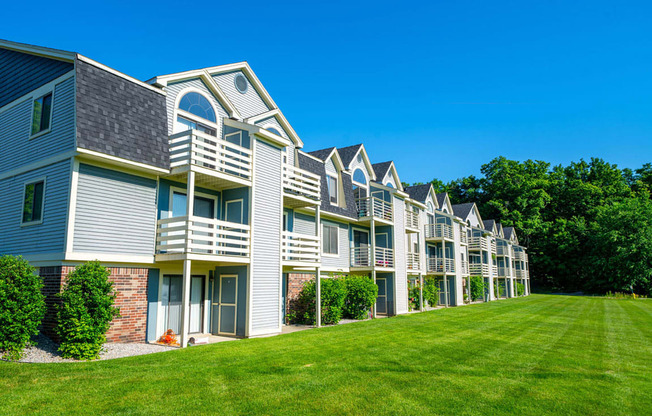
(295, 284)
(131, 284)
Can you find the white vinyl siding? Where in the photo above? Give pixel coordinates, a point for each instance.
(400, 268)
(304, 224)
(342, 260)
(266, 232)
(248, 104)
(273, 122)
(173, 90)
(115, 212)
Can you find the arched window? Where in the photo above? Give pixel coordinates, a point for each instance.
(359, 177)
(198, 105)
(273, 130)
(430, 207)
(389, 185)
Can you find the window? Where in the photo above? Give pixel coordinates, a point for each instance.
(359, 177)
(389, 185)
(329, 237)
(273, 130)
(196, 104)
(241, 83)
(331, 182)
(41, 114)
(33, 202)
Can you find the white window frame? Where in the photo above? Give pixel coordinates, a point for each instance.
(233, 201)
(40, 93)
(337, 189)
(196, 119)
(337, 240)
(22, 202)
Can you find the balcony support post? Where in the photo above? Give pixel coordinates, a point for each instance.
(317, 270)
(373, 257)
(187, 264)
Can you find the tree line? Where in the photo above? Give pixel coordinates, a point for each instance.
(587, 226)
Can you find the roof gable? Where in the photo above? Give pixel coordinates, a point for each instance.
(469, 213)
(353, 155)
(386, 172)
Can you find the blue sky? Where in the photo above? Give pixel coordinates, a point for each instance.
(438, 87)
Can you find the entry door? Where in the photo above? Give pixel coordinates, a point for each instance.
(226, 305)
(381, 301)
(171, 302)
(361, 246)
(196, 304)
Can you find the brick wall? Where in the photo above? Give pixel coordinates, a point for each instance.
(131, 284)
(295, 284)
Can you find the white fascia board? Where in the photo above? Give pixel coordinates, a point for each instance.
(258, 131)
(338, 160)
(282, 121)
(38, 50)
(215, 89)
(392, 168)
(118, 161)
(367, 162)
(311, 156)
(415, 202)
(119, 74)
(339, 217)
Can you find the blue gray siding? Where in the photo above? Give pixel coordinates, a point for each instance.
(16, 147)
(22, 73)
(173, 90)
(266, 229)
(120, 118)
(304, 224)
(116, 212)
(249, 104)
(47, 237)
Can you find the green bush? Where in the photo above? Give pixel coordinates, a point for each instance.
(333, 294)
(431, 291)
(361, 294)
(86, 311)
(414, 297)
(22, 305)
(520, 289)
(477, 288)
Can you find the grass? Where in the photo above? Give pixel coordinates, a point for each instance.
(538, 355)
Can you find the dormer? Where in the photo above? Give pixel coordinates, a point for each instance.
(469, 214)
(445, 205)
(356, 162)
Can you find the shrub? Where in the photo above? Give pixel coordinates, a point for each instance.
(477, 288)
(520, 289)
(414, 297)
(430, 291)
(86, 311)
(333, 294)
(361, 294)
(22, 305)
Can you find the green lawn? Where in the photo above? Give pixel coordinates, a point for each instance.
(537, 355)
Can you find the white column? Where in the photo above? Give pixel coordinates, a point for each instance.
(421, 292)
(373, 312)
(187, 271)
(318, 270)
(372, 257)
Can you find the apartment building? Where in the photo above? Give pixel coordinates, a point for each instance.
(195, 190)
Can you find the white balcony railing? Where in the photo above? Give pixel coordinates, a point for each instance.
(361, 256)
(439, 231)
(464, 238)
(478, 243)
(198, 235)
(300, 182)
(193, 147)
(439, 265)
(502, 250)
(493, 245)
(503, 272)
(301, 248)
(494, 270)
(412, 220)
(464, 267)
(375, 207)
(520, 274)
(478, 269)
(384, 257)
(413, 262)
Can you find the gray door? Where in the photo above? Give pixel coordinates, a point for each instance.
(227, 304)
(381, 301)
(171, 302)
(196, 304)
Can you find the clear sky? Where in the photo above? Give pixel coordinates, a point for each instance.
(439, 87)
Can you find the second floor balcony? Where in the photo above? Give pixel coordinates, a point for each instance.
(478, 243)
(464, 267)
(502, 250)
(412, 261)
(411, 221)
(299, 249)
(438, 232)
(300, 187)
(362, 257)
(192, 237)
(503, 272)
(218, 163)
(479, 269)
(376, 208)
(439, 265)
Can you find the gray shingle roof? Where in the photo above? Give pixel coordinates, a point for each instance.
(348, 153)
(319, 168)
(322, 154)
(489, 224)
(463, 210)
(441, 198)
(418, 192)
(380, 169)
(508, 232)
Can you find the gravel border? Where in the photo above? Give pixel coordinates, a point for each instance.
(44, 350)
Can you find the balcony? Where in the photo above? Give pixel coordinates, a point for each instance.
(439, 231)
(376, 208)
(492, 244)
(478, 244)
(216, 162)
(411, 221)
(300, 187)
(477, 269)
(464, 238)
(520, 274)
(519, 256)
(413, 262)
(198, 238)
(464, 268)
(502, 250)
(494, 270)
(503, 272)
(441, 266)
(299, 249)
(361, 257)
